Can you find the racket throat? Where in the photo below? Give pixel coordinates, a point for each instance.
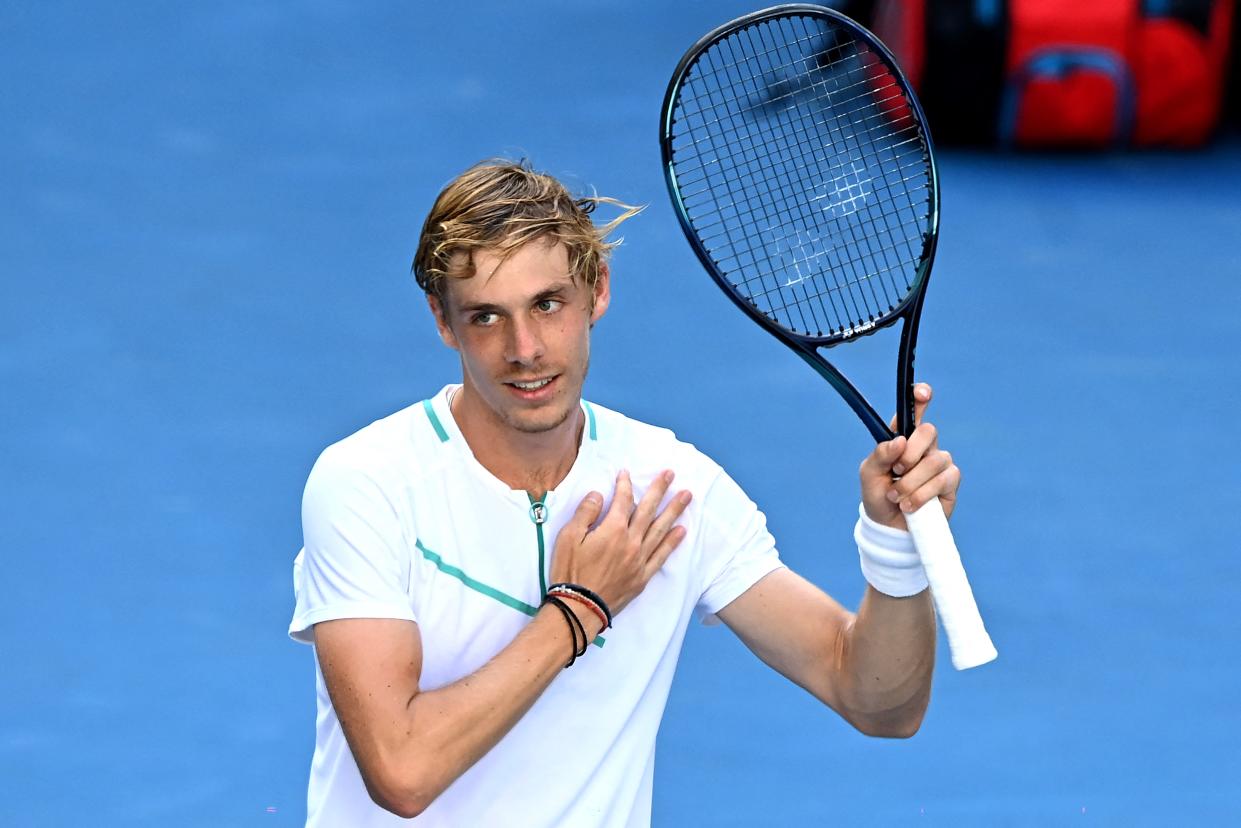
(869, 417)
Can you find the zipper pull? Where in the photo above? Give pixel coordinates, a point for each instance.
(538, 512)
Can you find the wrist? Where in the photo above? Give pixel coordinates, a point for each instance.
(590, 621)
(886, 514)
(889, 561)
(578, 639)
(587, 598)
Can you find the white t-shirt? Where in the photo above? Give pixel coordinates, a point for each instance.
(401, 521)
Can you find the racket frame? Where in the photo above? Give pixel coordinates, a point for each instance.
(805, 346)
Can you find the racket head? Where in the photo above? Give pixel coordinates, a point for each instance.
(802, 172)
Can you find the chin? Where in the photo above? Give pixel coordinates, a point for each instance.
(538, 422)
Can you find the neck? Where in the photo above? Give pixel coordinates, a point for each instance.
(533, 461)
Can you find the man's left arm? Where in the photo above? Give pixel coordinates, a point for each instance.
(873, 667)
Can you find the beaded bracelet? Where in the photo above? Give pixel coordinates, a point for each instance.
(582, 599)
(585, 593)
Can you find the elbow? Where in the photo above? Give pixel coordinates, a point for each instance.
(406, 808)
(407, 803)
(404, 793)
(403, 800)
(897, 725)
(890, 730)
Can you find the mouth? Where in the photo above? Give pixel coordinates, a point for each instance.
(533, 389)
(531, 385)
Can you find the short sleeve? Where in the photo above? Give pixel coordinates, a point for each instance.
(737, 550)
(355, 563)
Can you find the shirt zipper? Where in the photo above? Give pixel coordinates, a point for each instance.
(538, 514)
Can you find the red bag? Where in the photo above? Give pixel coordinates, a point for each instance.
(1069, 80)
(1064, 73)
(1180, 69)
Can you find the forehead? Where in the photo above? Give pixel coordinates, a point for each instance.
(527, 271)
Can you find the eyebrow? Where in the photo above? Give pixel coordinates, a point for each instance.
(475, 307)
(488, 307)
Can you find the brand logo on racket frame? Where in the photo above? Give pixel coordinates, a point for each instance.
(857, 330)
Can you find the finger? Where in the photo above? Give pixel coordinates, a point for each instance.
(924, 439)
(663, 523)
(585, 515)
(922, 398)
(666, 547)
(927, 469)
(952, 484)
(942, 485)
(645, 513)
(622, 499)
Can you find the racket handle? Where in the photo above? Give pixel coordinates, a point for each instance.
(954, 601)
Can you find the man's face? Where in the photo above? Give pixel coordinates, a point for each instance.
(522, 327)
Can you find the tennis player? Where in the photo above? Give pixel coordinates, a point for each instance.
(497, 580)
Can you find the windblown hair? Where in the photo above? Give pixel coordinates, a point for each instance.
(500, 205)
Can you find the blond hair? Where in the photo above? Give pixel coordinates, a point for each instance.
(501, 205)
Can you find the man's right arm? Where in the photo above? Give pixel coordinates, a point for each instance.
(411, 745)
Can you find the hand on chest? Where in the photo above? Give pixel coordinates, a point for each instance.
(482, 563)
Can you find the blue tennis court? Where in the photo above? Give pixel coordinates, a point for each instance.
(209, 217)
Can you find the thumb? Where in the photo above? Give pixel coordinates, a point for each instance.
(880, 461)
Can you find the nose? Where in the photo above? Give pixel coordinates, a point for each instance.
(525, 345)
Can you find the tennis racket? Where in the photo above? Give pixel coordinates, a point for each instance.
(801, 170)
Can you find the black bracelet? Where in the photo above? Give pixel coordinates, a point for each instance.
(586, 593)
(575, 627)
(572, 631)
(581, 628)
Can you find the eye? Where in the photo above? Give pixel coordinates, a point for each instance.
(548, 305)
(484, 319)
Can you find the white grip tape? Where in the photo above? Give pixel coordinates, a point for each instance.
(954, 601)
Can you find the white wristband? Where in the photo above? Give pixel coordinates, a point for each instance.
(889, 561)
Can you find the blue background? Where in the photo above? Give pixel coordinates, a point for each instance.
(208, 217)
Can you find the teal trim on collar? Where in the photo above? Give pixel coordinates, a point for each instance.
(592, 430)
(483, 589)
(590, 420)
(435, 421)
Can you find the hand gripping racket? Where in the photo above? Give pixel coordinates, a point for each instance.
(801, 170)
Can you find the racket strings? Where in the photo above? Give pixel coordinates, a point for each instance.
(809, 316)
(798, 133)
(722, 222)
(784, 49)
(897, 96)
(858, 279)
(820, 205)
(705, 177)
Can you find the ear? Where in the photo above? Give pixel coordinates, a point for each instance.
(441, 321)
(603, 293)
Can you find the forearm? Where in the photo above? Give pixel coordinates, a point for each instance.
(446, 730)
(885, 659)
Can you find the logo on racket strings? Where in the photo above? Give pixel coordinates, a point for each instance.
(847, 192)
